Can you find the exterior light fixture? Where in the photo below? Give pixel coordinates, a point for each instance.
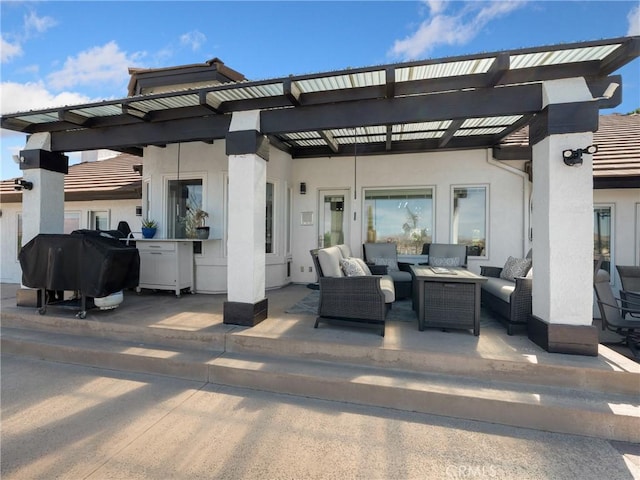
(574, 157)
(20, 184)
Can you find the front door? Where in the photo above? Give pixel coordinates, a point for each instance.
(334, 218)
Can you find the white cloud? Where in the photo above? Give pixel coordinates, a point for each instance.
(20, 97)
(101, 64)
(34, 23)
(453, 29)
(634, 21)
(9, 50)
(193, 39)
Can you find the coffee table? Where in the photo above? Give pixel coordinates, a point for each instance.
(447, 298)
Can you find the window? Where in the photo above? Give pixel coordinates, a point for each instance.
(603, 236)
(19, 231)
(71, 221)
(469, 219)
(269, 219)
(403, 216)
(183, 201)
(99, 220)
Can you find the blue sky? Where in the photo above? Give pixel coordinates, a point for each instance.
(67, 52)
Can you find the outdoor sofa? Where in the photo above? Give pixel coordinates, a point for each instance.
(348, 292)
(507, 291)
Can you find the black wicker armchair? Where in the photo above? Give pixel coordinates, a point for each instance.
(363, 299)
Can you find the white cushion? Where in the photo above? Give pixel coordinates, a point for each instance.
(352, 268)
(345, 249)
(499, 287)
(386, 285)
(515, 267)
(329, 260)
(363, 265)
(444, 261)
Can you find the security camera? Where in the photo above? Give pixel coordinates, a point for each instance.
(20, 184)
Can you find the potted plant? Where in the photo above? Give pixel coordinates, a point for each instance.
(149, 228)
(202, 231)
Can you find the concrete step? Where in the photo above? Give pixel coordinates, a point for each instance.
(549, 408)
(243, 341)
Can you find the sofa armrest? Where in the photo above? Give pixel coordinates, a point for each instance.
(520, 301)
(404, 266)
(487, 271)
(352, 297)
(378, 269)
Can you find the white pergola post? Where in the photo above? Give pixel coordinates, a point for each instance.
(248, 150)
(43, 204)
(562, 221)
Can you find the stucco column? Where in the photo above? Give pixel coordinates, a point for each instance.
(43, 204)
(562, 221)
(248, 151)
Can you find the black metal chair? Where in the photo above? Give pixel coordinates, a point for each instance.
(630, 291)
(611, 313)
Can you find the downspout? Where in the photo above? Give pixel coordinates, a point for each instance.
(526, 198)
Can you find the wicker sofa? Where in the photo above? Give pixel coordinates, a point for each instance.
(365, 298)
(511, 300)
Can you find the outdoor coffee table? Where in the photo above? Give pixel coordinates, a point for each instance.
(447, 297)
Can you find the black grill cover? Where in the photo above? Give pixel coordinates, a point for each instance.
(95, 264)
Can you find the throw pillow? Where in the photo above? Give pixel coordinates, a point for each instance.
(444, 261)
(515, 267)
(392, 264)
(352, 268)
(363, 265)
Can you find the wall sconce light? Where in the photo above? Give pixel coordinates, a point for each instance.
(303, 188)
(574, 157)
(20, 184)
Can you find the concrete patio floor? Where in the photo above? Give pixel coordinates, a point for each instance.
(202, 314)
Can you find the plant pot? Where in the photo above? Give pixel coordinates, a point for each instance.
(148, 232)
(202, 233)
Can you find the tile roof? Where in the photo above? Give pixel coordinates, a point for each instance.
(113, 179)
(618, 141)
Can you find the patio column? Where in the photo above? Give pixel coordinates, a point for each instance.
(248, 152)
(562, 220)
(43, 203)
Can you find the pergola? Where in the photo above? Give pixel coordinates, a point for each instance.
(464, 102)
(471, 101)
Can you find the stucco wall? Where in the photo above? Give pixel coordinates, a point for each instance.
(508, 198)
(211, 163)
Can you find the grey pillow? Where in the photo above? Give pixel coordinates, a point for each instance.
(515, 267)
(444, 261)
(352, 268)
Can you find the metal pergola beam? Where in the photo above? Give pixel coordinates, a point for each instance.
(520, 99)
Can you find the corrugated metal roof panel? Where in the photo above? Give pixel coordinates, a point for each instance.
(420, 127)
(445, 69)
(491, 121)
(464, 132)
(399, 137)
(340, 82)
(99, 111)
(555, 57)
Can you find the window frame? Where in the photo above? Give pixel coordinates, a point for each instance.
(190, 176)
(612, 236)
(487, 210)
(432, 189)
